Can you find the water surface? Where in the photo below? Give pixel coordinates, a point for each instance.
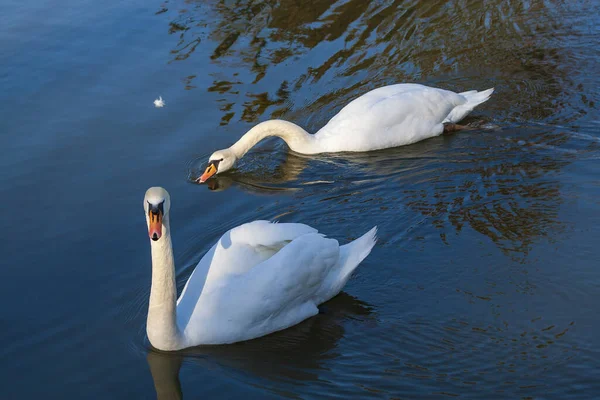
(484, 283)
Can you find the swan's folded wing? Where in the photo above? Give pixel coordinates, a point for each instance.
(267, 234)
(278, 292)
(297, 270)
(241, 249)
(387, 117)
(387, 107)
(242, 296)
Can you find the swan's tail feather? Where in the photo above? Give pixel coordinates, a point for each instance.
(474, 98)
(358, 249)
(468, 92)
(351, 255)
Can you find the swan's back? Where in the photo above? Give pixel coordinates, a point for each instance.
(364, 103)
(389, 116)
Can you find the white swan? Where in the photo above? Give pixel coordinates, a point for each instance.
(258, 278)
(389, 116)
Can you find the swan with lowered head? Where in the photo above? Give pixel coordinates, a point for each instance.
(259, 278)
(389, 116)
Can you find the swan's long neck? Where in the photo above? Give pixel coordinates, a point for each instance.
(296, 138)
(161, 326)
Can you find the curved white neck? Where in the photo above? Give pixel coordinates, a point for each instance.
(296, 138)
(161, 325)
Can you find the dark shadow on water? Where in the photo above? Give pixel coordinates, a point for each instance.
(293, 355)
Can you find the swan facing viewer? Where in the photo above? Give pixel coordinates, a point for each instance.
(258, 278)
(389, 116)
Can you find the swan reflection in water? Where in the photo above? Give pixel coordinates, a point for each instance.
(483, 179)
(295, 354)
(164, 368)
(275, 169)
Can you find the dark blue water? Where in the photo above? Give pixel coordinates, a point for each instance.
(485, 281)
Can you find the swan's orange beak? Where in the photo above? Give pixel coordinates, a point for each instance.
(210, 171)
(155, 225)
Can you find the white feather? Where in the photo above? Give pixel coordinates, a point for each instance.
(159, 102)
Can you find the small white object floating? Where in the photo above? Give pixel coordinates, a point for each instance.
(159, 102)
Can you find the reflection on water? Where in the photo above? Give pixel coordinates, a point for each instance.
(295, 355)
(376, 43)
(164, 368)
(502, 194)
(443, 356)
(263, 170)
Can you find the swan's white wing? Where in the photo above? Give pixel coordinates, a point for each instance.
(237, 251)
(390, 116)
(247, 245)
(241, 248)
(275, 294)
